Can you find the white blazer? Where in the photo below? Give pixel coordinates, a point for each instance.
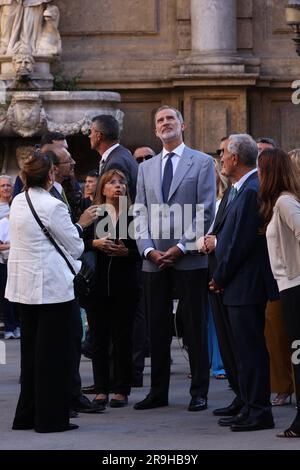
(37, 274)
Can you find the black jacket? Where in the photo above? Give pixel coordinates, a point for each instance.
(115, 275)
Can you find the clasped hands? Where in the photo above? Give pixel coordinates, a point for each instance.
(206, 244)
(165, 259)
(110, 247)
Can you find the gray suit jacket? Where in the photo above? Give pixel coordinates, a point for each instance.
(121, 159)
(193, 184)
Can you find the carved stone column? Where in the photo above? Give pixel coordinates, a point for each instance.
(214, 43)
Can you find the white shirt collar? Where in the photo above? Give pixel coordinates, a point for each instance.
(108, 151)
(58, 186)
(241, 181)
(178, 151)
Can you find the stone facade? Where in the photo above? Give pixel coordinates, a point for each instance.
(227, 64)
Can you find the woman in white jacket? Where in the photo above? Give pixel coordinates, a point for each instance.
(280, 211)
(41, 284)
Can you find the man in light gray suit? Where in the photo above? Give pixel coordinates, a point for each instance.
(171, 186)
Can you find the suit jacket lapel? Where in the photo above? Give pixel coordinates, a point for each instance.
(221, 212)
(53, 191)
(184, 164)
(157, 177)
(228, 208)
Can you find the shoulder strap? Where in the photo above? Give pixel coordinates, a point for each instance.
(48, 234)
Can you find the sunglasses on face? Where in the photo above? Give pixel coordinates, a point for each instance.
(220, 152)
(144, 158)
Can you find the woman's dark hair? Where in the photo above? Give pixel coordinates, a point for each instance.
(105, 178)
(36, 170)
(277, 174)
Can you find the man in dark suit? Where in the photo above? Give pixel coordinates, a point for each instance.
(243, 272)
(207, 245)
(104, 137)
(181, 179)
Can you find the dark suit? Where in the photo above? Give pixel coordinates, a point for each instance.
(243, 270)
(220, 313)
(121, 159)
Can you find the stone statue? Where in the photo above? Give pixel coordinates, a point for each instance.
(21, 25)
(32, 25)
(11, 14)
(50, 42)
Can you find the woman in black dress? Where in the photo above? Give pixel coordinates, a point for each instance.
(111, 310)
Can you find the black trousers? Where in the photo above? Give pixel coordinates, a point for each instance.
(9, 312)
(248, 324)
(140, 340)
(190, 287)
(224, 331)
(45, 363)
(225, 340)
(290, 302)
(111, 324)
(76, 332)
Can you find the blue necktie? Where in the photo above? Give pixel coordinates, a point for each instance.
(168, 176)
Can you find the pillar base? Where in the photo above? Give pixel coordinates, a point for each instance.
(212, 63)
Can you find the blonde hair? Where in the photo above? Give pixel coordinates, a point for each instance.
(221, 180)
(295, 157)
(105, 178)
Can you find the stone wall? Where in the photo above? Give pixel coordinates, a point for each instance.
(152, 53)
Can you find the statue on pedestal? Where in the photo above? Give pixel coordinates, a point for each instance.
(21, 25)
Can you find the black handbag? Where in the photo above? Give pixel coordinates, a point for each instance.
(84, 280)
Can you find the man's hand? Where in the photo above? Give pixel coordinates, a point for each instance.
(155, 256)
(210, 243)
(170, 257)
(88, 216)
(201, 245)
(213, 287)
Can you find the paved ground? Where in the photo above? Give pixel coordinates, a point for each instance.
(169, 428)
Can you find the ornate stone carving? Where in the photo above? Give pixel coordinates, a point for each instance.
(26, 114)
(23, 65)
(82, 125)
(69, 128)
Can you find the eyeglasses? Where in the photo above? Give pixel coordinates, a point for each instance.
(67, 162)
(116, 182)
(142, 159)
(90, 131)
(220, 152)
